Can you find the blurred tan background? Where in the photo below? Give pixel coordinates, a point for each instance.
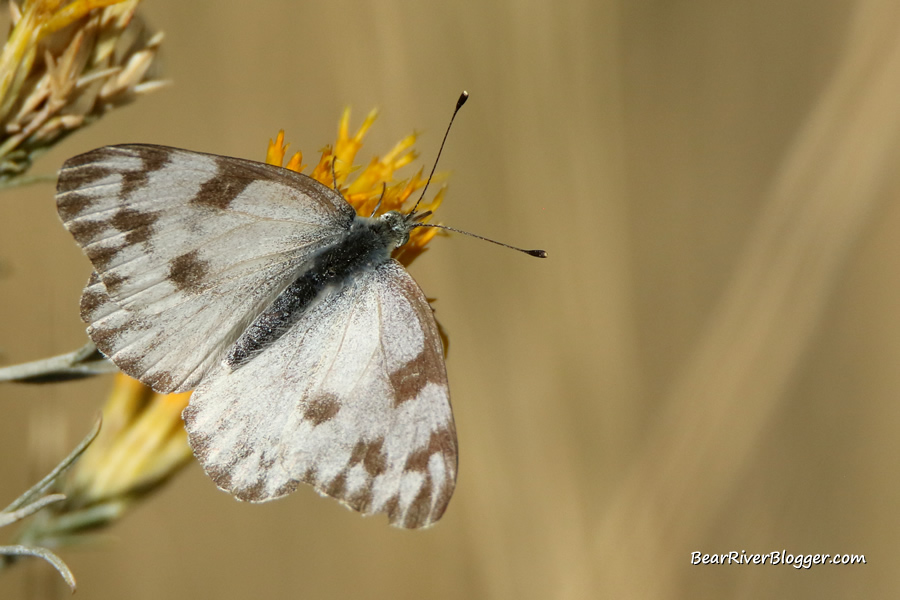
(706, 362)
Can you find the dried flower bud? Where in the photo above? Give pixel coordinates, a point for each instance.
(63, 66)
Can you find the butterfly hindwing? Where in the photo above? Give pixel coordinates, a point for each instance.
(353, 400)
(168, 230)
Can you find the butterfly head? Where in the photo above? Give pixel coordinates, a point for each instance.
(399, 225)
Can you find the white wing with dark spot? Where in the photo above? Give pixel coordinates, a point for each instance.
(353, 400)
(168, 231)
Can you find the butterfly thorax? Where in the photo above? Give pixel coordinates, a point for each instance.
(367, 244)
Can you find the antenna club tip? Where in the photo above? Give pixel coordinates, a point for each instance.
(537, 253)
(462, 99)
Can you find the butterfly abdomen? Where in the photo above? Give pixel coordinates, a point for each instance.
(368, 243)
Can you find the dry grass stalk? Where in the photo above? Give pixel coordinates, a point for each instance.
(719, 409)
(65, 64)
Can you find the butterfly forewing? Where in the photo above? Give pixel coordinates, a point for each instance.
(188, 248)
(353, 400)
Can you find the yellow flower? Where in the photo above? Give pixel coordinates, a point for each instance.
(142, 443)
(366, 187)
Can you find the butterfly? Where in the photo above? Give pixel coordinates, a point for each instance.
(313, 355)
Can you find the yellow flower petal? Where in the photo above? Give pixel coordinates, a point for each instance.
(275, 151)
(296, 162)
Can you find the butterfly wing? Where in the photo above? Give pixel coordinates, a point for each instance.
(353, 400)
(188, 248)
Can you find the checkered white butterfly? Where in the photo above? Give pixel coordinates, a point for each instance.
(314, 356)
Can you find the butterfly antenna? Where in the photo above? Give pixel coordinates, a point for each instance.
(334, 174)
(459, 103)
(377, 206)
(537, 253)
